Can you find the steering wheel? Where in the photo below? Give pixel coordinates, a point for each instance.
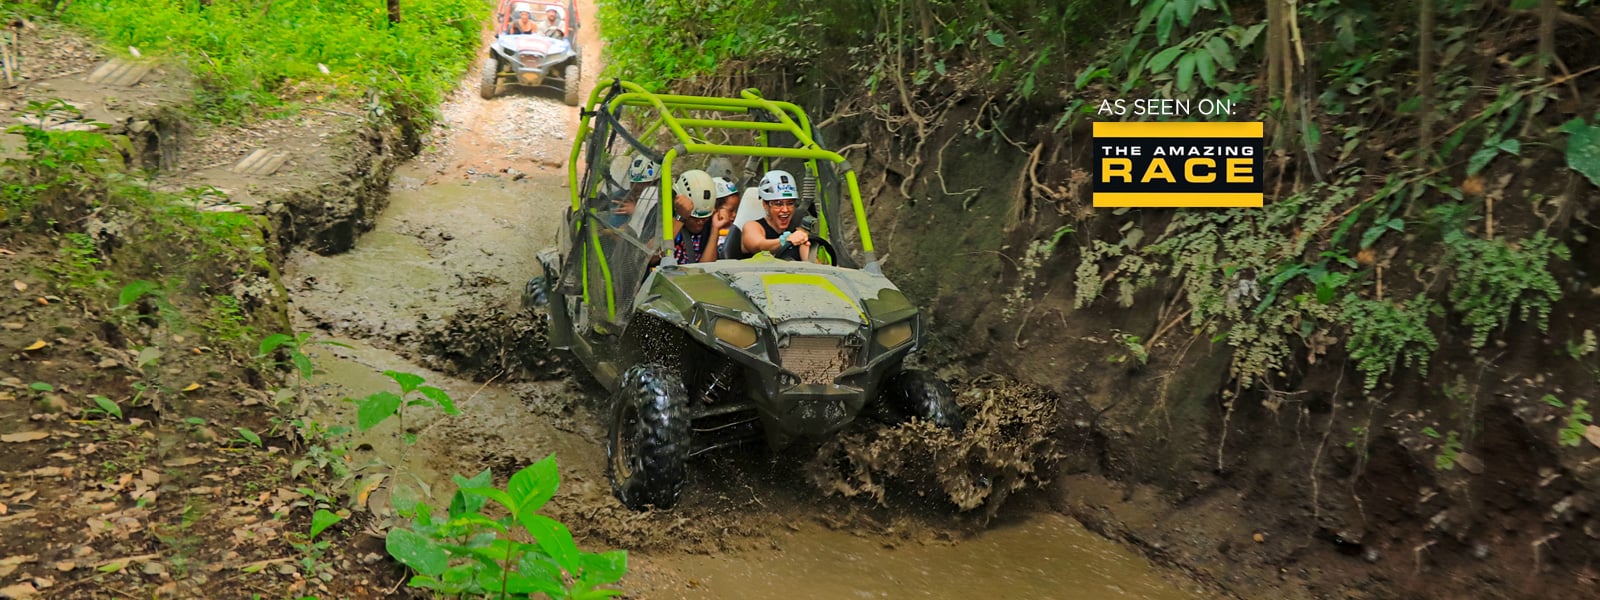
(819, 243)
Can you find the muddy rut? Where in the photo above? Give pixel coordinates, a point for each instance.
(434, 289)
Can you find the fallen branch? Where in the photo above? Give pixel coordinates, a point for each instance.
(125, 560)
(335, 112)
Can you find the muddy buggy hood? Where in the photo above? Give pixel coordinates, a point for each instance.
(797, 298)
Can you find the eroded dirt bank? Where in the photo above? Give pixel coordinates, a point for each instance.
(1453, 483)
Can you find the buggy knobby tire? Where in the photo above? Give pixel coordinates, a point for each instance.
(647, 448)
(569, 77)
(918, 394)
(491, 78)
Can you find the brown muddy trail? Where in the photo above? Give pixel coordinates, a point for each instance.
(434, 289)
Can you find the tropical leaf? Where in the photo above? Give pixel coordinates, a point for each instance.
(1186, 68)
(321, 520)
(407, 381)
(1583, 149)
(415, 551)
(1161, 60)
(375, 408)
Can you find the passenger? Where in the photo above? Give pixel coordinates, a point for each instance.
(778, 233)
(694, 197)
(646, 218)
(727, 207)
(524, 23)
(615, 182)
(634, 208)
(552, 24)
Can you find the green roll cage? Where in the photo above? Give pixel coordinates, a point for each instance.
(678, 124)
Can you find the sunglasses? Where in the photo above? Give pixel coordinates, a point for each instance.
(781, 203)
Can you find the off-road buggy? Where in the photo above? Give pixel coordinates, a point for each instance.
(546, 56)
(705, 355)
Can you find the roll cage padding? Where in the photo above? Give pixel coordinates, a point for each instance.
(611, 128)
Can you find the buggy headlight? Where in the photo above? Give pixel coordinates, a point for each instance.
(734, 333)
(893, 336)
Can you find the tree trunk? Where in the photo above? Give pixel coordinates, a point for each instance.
(394, 11)
(1547, 36)
(1425, 82)
(1277, 34)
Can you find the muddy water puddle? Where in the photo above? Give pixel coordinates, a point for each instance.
(1048, 556)
(459, 246)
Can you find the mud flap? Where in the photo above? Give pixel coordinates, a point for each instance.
(560, 335)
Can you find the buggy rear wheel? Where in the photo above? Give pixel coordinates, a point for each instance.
(491, 78)
(647, 448)
(917, 394)
(569, 77)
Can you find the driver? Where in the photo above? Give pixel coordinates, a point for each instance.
(552, 24)
(779, 232)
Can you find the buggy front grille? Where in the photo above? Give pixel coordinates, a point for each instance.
(817, 359)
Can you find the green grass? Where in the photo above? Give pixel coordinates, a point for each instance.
(252, 56)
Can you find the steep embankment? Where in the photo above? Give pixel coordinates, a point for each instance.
(1353, 391)
(151, 431)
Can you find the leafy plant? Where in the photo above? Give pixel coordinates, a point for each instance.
(1197, 58)
(228, 321)
(1134, 345)
(291, 345)
(379, 406)
(466, 553)
(1578, 422)
(311, 549)
(78, 266)
(1449, 452)
(1383, 333)
(1495, 279)
(104, 405)
(247, 436)
(130, 297)
(249, 55)
(1583, 148)
(1577, 349)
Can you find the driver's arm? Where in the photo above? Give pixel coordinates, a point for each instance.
(755, 239)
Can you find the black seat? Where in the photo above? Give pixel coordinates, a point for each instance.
(732, 248)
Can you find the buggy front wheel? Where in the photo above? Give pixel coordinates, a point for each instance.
(917, 394)
(569, 77)
(647, 448)
(491, 78)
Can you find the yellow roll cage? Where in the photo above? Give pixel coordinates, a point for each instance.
(677, 123)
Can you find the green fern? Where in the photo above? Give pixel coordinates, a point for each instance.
(1383, 333)
(1496, 280)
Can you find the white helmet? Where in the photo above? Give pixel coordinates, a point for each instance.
(778, 185)
(725, 188)
(643, 170)
(701, 190)
(620, 165)
(720, 167)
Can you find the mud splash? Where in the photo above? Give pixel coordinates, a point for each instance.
(1009, 444)
(490, 344)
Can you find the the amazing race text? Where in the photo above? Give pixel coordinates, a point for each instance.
(1178, 164)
